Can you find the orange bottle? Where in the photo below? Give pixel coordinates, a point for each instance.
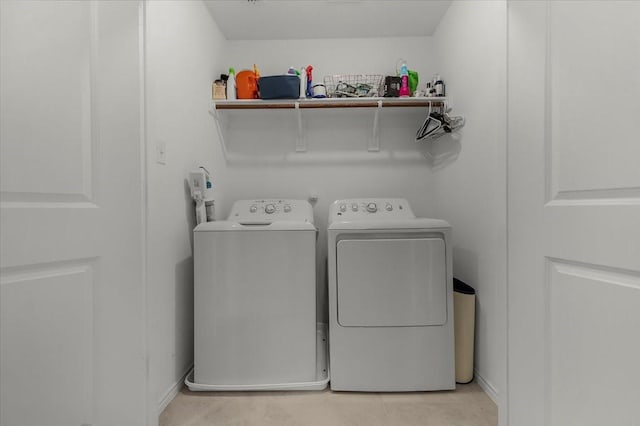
(247, 85)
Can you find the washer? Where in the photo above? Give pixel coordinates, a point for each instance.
(255, 300)
(390, 298)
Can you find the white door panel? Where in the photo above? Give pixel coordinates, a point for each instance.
(46, 334)
(593, 345)
(46, 80)
(71, 289)
(574, 212)
(52, 229)
(606, 234)
(594, 79)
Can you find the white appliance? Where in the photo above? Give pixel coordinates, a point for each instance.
(390, 298)
(255, 300)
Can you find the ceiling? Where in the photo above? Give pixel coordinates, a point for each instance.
(299, 19)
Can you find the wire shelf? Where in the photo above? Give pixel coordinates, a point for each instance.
(353, 85)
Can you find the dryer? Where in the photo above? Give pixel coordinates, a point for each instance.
(390, 298)
(255, 300)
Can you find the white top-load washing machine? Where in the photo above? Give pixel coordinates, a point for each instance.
(390, 298)
(255, 300)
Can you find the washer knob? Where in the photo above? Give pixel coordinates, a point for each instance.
(354, 207)
(287, 208)
(253, 208)
(388, 207)
(343, 207)
(372, 207)
(269, 209)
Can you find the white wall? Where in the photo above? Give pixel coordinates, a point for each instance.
(262, 161)
(470, 174)
(182, 59)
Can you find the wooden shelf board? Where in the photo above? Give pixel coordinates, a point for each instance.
(328, 103)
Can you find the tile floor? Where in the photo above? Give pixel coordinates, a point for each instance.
(467, 405)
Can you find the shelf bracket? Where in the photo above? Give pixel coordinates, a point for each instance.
(301, 145)
(374, 142)
(216, 115)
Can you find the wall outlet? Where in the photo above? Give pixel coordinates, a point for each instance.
(161, 151)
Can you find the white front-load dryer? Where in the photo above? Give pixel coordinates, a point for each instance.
(255, 300)
(390, 298)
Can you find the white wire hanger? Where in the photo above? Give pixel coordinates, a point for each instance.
(438, 124)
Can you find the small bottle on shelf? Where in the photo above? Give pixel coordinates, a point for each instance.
(439, 86)
(309, 90)
(231, 85)
(404, 83)
(303, 82)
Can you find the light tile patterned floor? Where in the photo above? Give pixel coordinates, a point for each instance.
(468, 405)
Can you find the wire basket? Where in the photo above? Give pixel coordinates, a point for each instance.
(353, 85)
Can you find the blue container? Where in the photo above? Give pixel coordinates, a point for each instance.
(279, 87)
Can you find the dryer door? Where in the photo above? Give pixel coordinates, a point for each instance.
(391, 282)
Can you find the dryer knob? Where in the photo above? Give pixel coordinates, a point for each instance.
(354, 207)
(389, 207)
(372, 207)
(253, 208)
(287, 208)
(269, 209)
(343, 207)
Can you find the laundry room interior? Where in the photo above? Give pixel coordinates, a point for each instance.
(108, 109)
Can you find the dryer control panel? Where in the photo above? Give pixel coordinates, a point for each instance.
(371, 208)
(271, 210)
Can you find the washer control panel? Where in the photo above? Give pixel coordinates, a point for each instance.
(370, 208)
(271, 210)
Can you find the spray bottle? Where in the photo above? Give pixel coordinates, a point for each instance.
(309, 91)
(404, 81)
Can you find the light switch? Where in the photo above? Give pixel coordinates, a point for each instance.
(161, 151)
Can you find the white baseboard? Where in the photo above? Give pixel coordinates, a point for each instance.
(487, 387)
(172, 391)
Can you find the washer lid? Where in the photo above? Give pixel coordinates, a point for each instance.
(229, 225)
(271, 210)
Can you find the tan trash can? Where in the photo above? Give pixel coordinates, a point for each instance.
(464, 306)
